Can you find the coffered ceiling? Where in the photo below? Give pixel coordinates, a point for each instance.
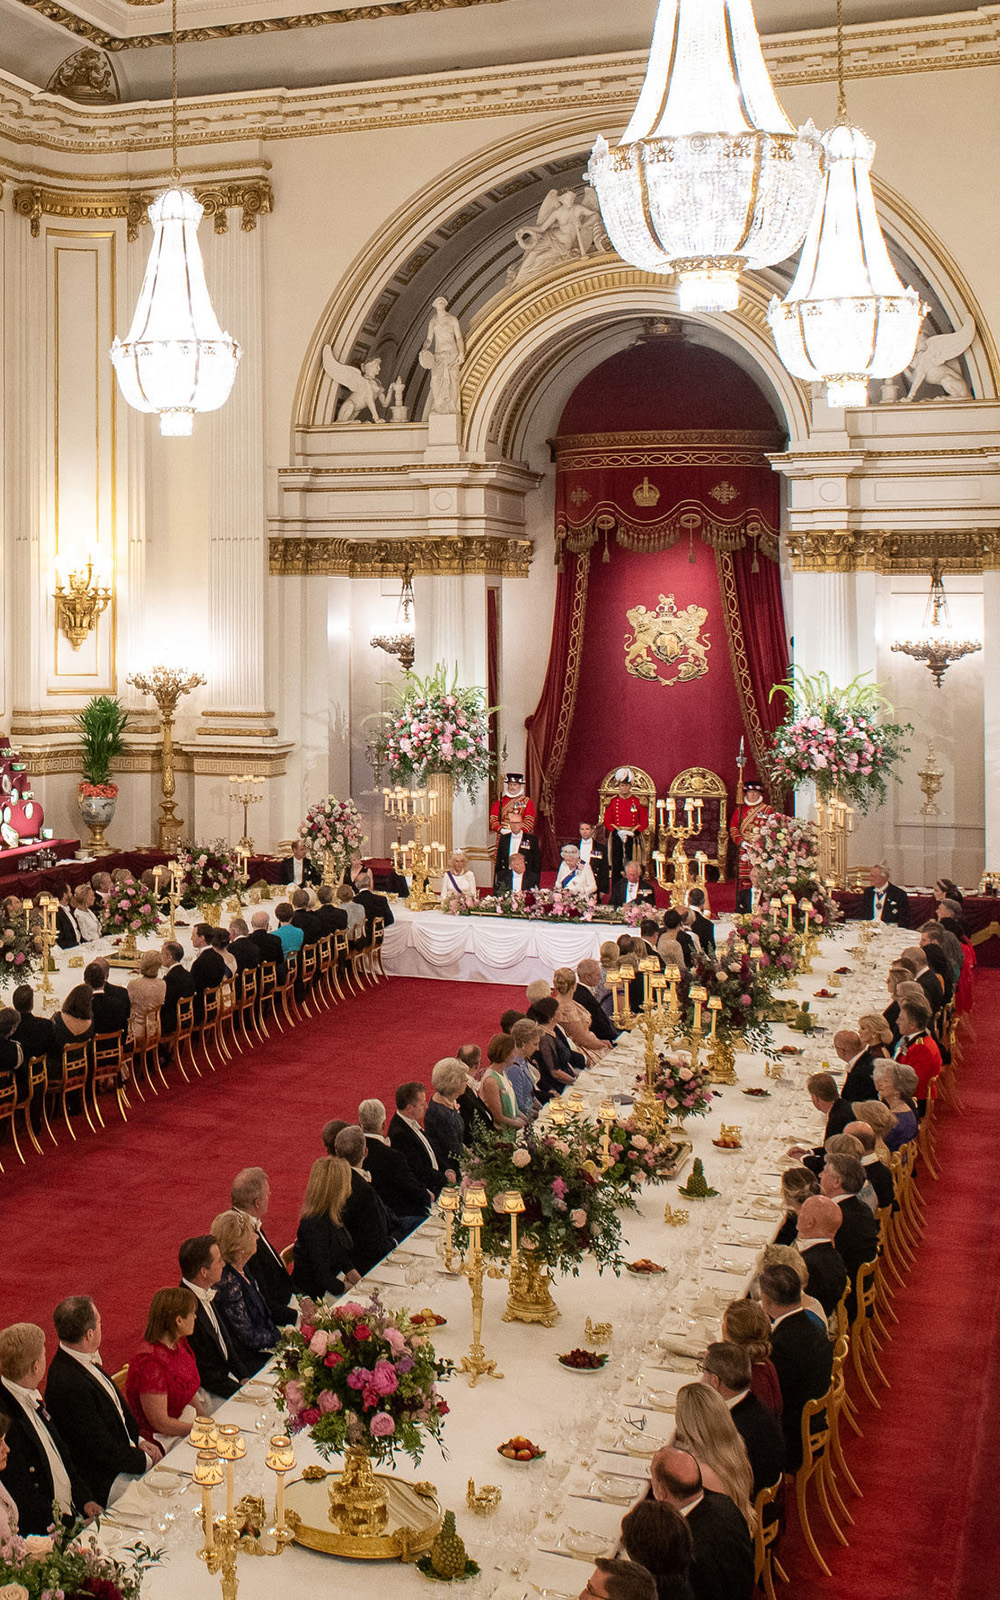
(236, 45)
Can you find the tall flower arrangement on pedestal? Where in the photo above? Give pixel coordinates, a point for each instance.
(130, 910)
(333, 828)
(835, 739)
(436, 727)
(210, 873)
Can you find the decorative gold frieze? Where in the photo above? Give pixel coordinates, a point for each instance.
(254, 197)
(908, 551)
(86, 76)
(390, 558)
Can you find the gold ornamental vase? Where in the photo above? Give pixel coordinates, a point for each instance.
(442, 784)
(128, 950)
(358, 1505)
(530, 1296)
(333, 868)
(211, 913)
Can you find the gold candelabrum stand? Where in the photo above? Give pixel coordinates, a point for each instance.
(477, 1363)
(418, 809)
(670, 828)
(660, 1015)
(241, 1529)
(834, 821)
(166, 685)
(48, 906)
(243, 790)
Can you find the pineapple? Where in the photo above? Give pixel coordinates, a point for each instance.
(448, 1552)
(697, 1186)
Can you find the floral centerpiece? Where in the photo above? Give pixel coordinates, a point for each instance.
(779, 948)
(131, 912)
(75, 1568)
(18, 951)
(334, 831)
(684, 1087)
(436, 727)
(634, 1158)
(834, 738)
(210, 873)
(784, 851)
(535, 905)
(744, 991)
(360, 1376)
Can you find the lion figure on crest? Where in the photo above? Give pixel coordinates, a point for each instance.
(670, 636)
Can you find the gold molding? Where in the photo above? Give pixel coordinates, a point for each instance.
(253, 197)
(910, 551)
(266, 763)
(391, 558)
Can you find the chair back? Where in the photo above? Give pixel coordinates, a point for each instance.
(698, 783)
(308, 963)
(378, 931)
(840, 1314)
(108, 1055)
(324, 951)
(38, 1075)
(864, 1295)
(9, 1103)
(211, 1002)
(75, 1066)
(815, 1428)
(765, 1529)
(120, 1378)
(152, 1030)
(185, 1016)
(341, 949)
(248, 988)
(268, 984)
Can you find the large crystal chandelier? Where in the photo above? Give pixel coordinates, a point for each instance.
(846, 317)
(175, 359)
(710, 176)
(936, 645)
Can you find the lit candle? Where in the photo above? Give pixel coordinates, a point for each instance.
(714, 1007)
(280, 1459)
(698, 994)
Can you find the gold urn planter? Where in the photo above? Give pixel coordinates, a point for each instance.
(358, 1505)
(211, 912)
(362, 1514)
(530, 1296)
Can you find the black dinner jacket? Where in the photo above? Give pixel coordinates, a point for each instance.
(394, 1181)
(272, 1278)
(310, 873)
(324, 1251)
(837, 1118)
(34, 1035)
(208, 969)
(896, 908)
(112, 1009)
(403, 1139)
(803, 1359)
(646, 894)
(312, 928)
(180, 986)
(27, 1477)
(246, 952)
(760, 1431)
(880, 1178)
(703, 930)
(722, 1560)
(367, 1222)
(332, 919)
(601, 1025)
(503, 878)
(933, 987)
(857, 1238)
(270, 946)
(860, 1082)
(220, 1374)
(90, 1424)
(67, 932)
(827, 1274)
(375, 905)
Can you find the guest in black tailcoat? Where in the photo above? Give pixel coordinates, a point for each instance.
(298, 868)
(219, 1367)
(251, 1194)
(884, 901)
(29, 1476)
(722, 1561)
(633, 886)
(801, 1352)
(179, 981)
(818, 1225)
(324, 1248)
(406, 1134)
(94, 1419)
(726, 1368)
(365, 1217)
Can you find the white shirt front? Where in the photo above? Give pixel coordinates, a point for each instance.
(421, 1135)
(584, 882)
(586, 847)
(29, 1400)
(298, 867)
(879, 904)
(206, 1296)
(516, 879)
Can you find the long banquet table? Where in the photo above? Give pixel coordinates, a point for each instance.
(434, 944)
(579, 1419)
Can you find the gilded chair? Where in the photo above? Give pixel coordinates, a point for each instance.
(765, 1537)
(180, 1041)
(324, 970)
(836, 1458)
(815, 1450)
(74, 1078)
(109, 1072)
(8, 1112)
(644, 790)
(375, 954)
(38, 1085)
(698, 783)
(863, 1345)
(267, 994)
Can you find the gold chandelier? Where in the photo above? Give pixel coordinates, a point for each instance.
(936, 645)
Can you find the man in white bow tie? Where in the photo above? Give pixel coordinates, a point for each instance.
(93, 1417)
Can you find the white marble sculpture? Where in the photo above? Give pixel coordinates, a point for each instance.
(442, 355)
(399, 412)
(364, 392)
(568, 227)
(936, 361)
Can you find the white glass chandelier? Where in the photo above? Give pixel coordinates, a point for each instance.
(846, 317)
(175, 359)
(710, 176)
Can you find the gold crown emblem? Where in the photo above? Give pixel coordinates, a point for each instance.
(645, 493)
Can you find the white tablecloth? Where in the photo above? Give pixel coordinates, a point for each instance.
(431, 944)
(578, 1419)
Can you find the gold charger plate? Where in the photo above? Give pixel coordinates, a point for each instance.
(415, 1517)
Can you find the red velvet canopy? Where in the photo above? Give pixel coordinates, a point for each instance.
(665, 646)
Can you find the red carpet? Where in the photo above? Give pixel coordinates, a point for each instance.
(104, 1216)
(929, 1461)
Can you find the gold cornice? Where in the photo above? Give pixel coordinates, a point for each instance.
(254, 197)
(911, 551)
(391, 558)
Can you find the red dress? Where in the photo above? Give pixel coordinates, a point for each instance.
(764, 1384)
(157, 1369)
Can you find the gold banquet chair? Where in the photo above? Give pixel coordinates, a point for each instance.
(863, 1345)
(816, 1436)
(765, 1537)
(38, 1085)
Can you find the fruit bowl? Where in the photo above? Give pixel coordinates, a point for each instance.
(427, 1319)
(582, 1361)
(758, 1094)
(644, 1268)
(520, 1451)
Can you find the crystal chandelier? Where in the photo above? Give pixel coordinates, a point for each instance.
(175, 359)
(936, 645)
(710, 176)
(846, 317)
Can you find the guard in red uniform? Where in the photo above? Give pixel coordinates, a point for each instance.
(746, 820)
(512, 819)
(625, 819)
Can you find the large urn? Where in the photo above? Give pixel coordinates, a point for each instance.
(97, 810)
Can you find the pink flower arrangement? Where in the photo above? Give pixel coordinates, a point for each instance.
(334, 827)
(833, 737)
(210, 873)
(130, 908)
(437, 727)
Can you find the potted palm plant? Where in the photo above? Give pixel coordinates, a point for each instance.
(101, 724)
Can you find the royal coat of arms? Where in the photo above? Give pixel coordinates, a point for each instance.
(667, 638)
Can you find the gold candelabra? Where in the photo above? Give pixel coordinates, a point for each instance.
(79, 606)
(670, 828)
(416, 808)
(166, 685)
(241, 1530)
(49, 908)
(477, 1363)
(449, 1201)
(721, 1058)
(243, 790)
(654, 1019)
